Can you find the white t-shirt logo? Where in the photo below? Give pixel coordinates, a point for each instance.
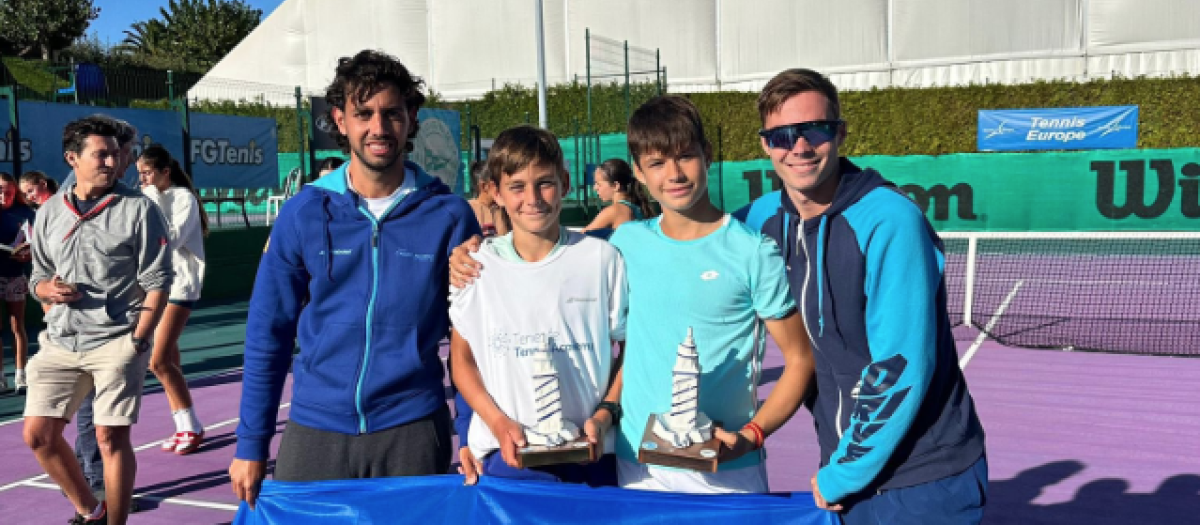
(709, 275)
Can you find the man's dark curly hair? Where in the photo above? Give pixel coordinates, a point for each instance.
(76, 133)
(360, 77)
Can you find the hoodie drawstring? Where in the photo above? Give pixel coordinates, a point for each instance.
(820, 264)
(328, 237)
(787, 248)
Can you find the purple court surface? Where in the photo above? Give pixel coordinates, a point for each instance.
(1077, 438)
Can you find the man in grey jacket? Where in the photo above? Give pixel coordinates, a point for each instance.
(100, 258)
(87, 451)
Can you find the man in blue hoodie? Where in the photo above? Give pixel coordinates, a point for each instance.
(356, 270)
(900, 439)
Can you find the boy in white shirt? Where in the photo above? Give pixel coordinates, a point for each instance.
(549, 290)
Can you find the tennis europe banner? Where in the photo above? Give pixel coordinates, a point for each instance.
(1103, 127)
(444, 499)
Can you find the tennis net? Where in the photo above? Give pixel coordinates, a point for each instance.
(1136, 293)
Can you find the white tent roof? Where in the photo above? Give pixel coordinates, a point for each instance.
(463, 48)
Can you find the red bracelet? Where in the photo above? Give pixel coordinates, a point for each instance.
(759, 436)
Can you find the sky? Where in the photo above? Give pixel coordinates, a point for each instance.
(116, 16)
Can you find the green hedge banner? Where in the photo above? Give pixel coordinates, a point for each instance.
(1121, 190)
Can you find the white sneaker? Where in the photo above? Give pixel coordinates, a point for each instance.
(19, 381)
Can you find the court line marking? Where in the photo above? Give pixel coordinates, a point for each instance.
(156, 499)
(1093, 283)
(983, 335)
(34, 479)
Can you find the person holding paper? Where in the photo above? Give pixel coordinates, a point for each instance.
(16, 219)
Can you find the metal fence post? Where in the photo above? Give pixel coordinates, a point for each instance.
(587, 51)
(300, 135)
(658, 71)
(467, 139)
(185, 124)
(627, 104)
(721, 166)
(578, 166)
(9, 93)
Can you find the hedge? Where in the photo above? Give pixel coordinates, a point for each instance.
(893, 121)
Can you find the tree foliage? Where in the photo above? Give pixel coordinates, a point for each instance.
(191, 34)
(41, 27)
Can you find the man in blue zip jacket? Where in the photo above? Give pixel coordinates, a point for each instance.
(356, 270)
(900, 440)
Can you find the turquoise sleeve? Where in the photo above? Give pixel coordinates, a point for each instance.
(769, 289)
(903, 275)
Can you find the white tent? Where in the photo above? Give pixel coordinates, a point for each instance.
(463, 48)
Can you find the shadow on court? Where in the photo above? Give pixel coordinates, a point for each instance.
(1105, 501)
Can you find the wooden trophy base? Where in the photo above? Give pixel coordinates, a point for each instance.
(655, 451)
(575, 451)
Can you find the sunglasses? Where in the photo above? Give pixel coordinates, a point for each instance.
(816, 132)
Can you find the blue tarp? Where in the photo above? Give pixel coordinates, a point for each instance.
(444, 499)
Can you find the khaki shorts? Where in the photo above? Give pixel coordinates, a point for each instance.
(59, 380)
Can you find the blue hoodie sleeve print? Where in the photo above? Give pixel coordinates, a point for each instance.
(903, 274)
(280, 288)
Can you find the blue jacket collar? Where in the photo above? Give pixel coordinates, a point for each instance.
(335, 181)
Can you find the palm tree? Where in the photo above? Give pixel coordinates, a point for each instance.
(194, 32)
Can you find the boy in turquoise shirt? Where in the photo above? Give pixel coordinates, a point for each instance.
(695, 267)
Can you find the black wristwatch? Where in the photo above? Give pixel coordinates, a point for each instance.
(612, 408)
(140, 344)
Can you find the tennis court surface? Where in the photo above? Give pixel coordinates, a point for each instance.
(1073, 437)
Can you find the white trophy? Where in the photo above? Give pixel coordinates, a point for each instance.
(552, 439)
(682, 437)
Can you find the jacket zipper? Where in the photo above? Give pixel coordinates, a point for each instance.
(802, 244)
(362, 372)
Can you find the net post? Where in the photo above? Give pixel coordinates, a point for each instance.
(969, 296)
